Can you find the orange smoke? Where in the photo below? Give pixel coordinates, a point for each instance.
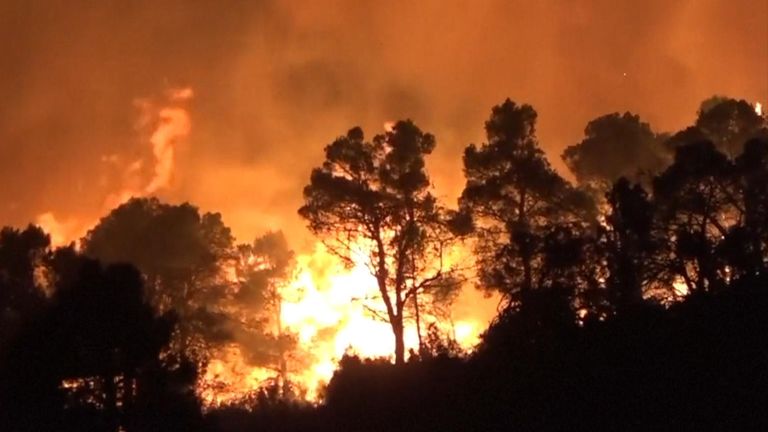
(173, 126)
(60, 232)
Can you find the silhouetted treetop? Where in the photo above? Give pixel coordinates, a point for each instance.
(615, 145)
(697, 202)
(510, 171)
(93, 360)
(729, 123)
(631, 245)
(691, 134)
(182, 254)
(514, 195)
(22, 296)
(510, 122)
(161, 239)
(747, 248)
(362, 175)
(373, 199)
(264, 268)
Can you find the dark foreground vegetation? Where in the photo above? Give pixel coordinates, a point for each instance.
(700, 365)
(634, 299)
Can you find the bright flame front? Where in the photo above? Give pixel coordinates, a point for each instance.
(332, 310)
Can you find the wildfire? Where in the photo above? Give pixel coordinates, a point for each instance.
(229, 378)
(171, 125)
(759, 108)
(60, 232)
(332, 310)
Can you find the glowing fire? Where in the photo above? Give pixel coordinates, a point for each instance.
(60, 232)
(171, 125)
(325, 305)
(229, 377)
(759, 108)
(328, 307)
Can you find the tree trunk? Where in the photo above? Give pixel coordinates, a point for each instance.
(527, 275)
(418, 321)
(283, 366)
(522, 221)
(397, 329)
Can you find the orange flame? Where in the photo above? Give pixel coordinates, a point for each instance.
(60, 232)
(174, 125)
(329, 307)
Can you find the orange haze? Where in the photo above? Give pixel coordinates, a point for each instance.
(274, 81)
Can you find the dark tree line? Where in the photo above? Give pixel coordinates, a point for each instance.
(633, 298)
(113, 335)
(86, 354)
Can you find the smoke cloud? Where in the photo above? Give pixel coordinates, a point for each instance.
(276, 81)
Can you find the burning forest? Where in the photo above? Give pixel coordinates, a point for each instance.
(525, 216)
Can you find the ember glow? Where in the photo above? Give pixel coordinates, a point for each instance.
(333, 311)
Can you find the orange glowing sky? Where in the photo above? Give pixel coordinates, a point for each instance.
(274, 81)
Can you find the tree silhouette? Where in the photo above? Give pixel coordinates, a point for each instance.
(263, 270)
(697, 204)
(93, 359)
(746, 245)
(182, 254)
(729, 123)
(631, 244)
(614, 145)
(371, 200)
(688, 135)
(516, 198)
(22, 255)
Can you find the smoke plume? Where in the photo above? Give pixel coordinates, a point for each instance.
(276, 81)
